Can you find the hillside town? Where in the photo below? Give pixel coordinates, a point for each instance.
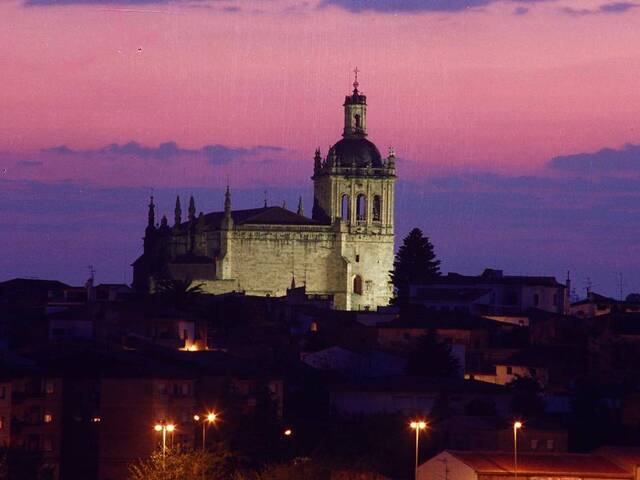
(447, 381)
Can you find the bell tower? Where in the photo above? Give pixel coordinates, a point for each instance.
(354, 190)
(353, 182)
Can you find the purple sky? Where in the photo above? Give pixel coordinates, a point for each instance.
(515, 123)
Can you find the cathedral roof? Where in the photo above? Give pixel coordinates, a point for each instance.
(358, 149)
(257, 216)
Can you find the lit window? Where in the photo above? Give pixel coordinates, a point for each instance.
(534, 444)
(49, 387)
(47, 418)
(551, 444)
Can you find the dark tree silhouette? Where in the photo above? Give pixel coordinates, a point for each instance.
(527, 402)
(178, 293)
(414, 262)
(432, 358)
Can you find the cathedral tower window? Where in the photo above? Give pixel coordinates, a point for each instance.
(376, 208)
(361, 207)
(357, 285)
(357, 117)
(345, 207)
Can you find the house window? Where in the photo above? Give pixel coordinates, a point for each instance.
(551, 444)
(1, 423)
(509, 370)
(185, 389)
(376, 208)
(47, 418)
(361, 207)
(3, 392)
(555, 299)
(357, 258)
(536, 299)
(162, 388)
(357, 285)
(345, 210)
(534, 444)
(47, 444)
(49, 387)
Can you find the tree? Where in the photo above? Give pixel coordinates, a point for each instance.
(414, 262)
(527, 401)
(179, 464)
(432, 358)
(178, 292)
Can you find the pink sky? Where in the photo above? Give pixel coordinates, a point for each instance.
(483, 89)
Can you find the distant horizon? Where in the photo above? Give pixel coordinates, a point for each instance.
(515, 122)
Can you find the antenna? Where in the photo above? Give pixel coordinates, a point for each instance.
(620, 284)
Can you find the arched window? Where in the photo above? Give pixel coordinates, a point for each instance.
(357, 285)
(376, 208)
(361, 207)
(357, 118)
(345, 213)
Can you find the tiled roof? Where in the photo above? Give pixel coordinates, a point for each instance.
(256, 216)
(550, 464)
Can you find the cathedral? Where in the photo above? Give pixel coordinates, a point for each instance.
(343, 252)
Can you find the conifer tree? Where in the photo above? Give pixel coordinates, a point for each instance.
(415, 262)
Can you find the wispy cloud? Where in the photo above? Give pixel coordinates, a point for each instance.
(605, 161)
(215, 154)
(393, 6)
(606, 8)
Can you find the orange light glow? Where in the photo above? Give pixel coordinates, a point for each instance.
(288, 432)
(517, 425)
(158, 428)
(196, 418)
(211, 417)
(418, 425)
(171, 427)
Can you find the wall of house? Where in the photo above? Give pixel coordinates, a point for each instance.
(445, 466)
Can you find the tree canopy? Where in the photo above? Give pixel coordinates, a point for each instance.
(415, 262)
(432, 358)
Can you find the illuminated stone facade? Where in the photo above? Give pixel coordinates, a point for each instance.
(345, 250)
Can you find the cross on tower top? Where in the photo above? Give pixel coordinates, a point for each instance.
(355, 82)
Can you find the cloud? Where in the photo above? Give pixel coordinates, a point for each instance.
(520, 11)
(29, 163)
(47, 3)
(394, 6)
(214, 154)
(607, 8)
(605, 161)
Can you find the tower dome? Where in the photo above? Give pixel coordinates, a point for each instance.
(357, 150)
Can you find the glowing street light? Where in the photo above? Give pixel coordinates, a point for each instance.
(164, 428)
(287, 432)
(516, 426)
(207, 419)
(417, 426)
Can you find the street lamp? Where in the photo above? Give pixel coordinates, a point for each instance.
(164, 428)
(207, 419)
(516, 426)
(417, 426)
